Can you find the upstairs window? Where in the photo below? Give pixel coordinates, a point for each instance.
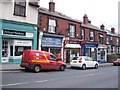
(72, 31)
(20, 8)
(101, 38)
(52, 26)
(107, 40)
(91, 35)
(111, 38)
(82, 35)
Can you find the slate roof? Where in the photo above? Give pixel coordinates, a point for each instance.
(91, 27)
(109, 33)
(57, 14)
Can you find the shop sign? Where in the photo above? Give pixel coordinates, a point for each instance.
(90, 45)
(102, 46)
(52, 41)
(22, 43)
(11, 32)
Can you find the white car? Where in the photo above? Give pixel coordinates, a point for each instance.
(83, 62)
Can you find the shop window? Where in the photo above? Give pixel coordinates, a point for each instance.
(4, 49)
(45, 49)
(87, 52)
(72, 31)
(19, 49)
(52, 26)
(101, 54)
(91, 35)
(55, 51)
(20, 8)
(11, 50)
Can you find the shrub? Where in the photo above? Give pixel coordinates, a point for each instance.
(111, 57)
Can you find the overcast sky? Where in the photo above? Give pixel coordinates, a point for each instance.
(98, 11)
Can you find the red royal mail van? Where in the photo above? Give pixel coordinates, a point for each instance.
(36, 60)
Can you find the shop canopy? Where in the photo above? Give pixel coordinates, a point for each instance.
(72, 46)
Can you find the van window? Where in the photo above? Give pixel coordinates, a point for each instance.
(53, 58)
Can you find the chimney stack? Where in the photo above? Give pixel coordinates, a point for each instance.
(113, 30)
(102, 27)
(85, 19)
(51, 6)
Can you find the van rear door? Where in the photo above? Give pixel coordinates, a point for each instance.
(26, 56)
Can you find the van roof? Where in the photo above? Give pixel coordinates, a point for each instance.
(39, 51)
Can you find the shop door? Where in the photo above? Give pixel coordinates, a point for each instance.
(67, 56)
(4, 51)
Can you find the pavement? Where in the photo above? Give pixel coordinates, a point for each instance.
(8, 66)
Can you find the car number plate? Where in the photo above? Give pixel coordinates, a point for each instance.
(74, 62)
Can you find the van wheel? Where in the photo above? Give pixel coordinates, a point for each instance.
(37, 69)
(96, 66)
(62, 68)
(83, 67)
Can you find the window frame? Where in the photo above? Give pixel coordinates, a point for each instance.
(73, 33)
(50, 27)
(91, 38)
(82, 34)
(101, 38)
(19, 6)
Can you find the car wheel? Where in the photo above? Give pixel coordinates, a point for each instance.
(37, 69)
(83, 66)
(96, 66)
(62, 68)
(72, 67)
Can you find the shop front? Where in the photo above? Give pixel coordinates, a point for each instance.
(90, 49)
(72, 48)
(52, 43)
(102, 53)
(15, 38)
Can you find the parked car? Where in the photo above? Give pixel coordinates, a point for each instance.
(83, 62)
(36, 60)
(116, 62)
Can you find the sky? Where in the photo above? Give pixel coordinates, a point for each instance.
(98, 11)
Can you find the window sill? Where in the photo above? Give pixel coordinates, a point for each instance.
(20, 15)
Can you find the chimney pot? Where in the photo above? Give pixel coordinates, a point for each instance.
(102, 27)
(85, 19)
(51, 6)
(113, 30)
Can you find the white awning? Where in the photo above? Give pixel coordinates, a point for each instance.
(72, 46)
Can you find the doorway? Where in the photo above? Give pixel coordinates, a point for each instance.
(5, 51)
(67, 56)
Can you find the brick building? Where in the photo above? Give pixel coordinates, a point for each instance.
(113, 42)
(94, 38)
(59, 33)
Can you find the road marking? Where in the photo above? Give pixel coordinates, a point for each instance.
(10, 71)
(15, 84)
